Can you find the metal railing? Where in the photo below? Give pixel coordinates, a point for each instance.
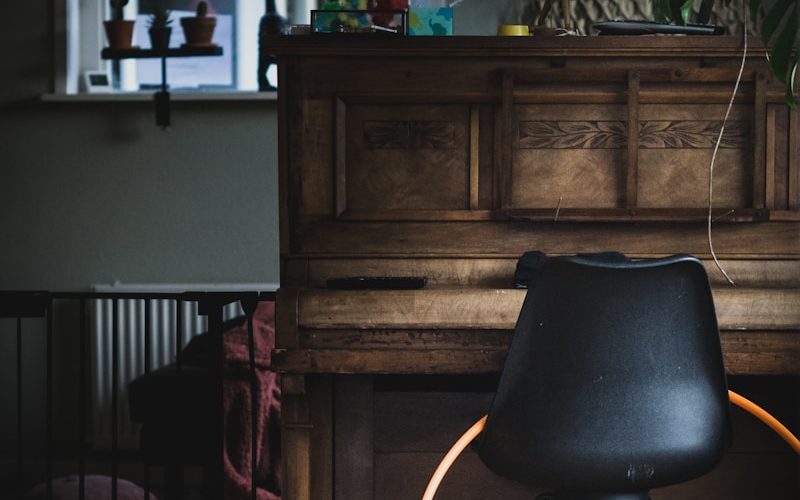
(19, 305)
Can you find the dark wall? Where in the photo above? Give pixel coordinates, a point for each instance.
(94, 193)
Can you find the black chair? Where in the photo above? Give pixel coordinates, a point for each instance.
(614, 382)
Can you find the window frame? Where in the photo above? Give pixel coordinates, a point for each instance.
(78, 39)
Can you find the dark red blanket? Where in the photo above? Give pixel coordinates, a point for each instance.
(237, 397)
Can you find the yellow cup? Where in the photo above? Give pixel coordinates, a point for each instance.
(512, 30)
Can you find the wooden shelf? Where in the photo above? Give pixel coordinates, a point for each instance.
(511, 46)
(162, 97)
(139, 53)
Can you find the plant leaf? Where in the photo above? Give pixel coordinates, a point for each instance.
(774, 18)
(679, 12)
(781, 50)
(686, 10)
(675, 7)
(791, 101)
(755, 6)
(705, 11)
(662, 12)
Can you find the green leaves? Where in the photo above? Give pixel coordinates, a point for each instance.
(779, 30)
(774, 17)
(755, 7)
(790, 95)
(685, 9)
(680, 11)
(662, 12)
(704, 15)
(784, 42)
(674, 11)
(779, 26)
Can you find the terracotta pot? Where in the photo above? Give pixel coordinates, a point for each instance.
(119, 33)
(159, 37)
(198, 30)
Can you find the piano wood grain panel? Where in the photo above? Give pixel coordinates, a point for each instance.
(747, 353)
(286, 320)
(761, 353)
(780, 153)
(794, 165)
(404, 157)
(757, 308)
(402, 469)
(384, 338)
(468, 480)
(320, 394)
(561, 149)
(447, 308)
(725, 48)
(400, 426)
(514, 238)
(632, 146)
(487, 309)
(388, 361)
(678, 142)
(498, 272)
(439, 339)
(353, 441)
(312, 150)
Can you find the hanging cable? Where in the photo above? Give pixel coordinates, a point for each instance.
(716, 148)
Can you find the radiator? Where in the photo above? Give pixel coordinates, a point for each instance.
(131, 344)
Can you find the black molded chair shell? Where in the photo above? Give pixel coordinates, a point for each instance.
(614, 380)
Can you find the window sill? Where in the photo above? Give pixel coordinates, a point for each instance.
(175, 96)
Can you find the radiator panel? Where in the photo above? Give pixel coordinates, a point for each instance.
(131, 359)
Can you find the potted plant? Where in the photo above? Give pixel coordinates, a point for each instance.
(119, 31)
(779, 27)
(159, 27)
(199, 29)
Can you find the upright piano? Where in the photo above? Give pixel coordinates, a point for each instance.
(448, 158)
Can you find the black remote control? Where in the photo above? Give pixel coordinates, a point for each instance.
(651, 28)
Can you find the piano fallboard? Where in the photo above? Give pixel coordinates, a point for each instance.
(467, 330)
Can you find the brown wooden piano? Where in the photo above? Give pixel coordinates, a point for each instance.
(448, 157)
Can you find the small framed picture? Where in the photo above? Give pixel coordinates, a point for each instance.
(97, 82)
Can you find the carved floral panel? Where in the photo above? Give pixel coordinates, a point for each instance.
(612, 134)
(405, 157)
(410, 134)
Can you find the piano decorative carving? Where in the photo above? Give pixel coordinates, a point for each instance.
(654, 134)
(425, 134)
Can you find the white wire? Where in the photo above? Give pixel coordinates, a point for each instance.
(716, 148)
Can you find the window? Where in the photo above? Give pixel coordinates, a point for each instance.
(236, 31)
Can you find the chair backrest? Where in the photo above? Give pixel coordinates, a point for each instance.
(614, 380)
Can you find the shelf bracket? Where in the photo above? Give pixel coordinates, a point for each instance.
(162, 99)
